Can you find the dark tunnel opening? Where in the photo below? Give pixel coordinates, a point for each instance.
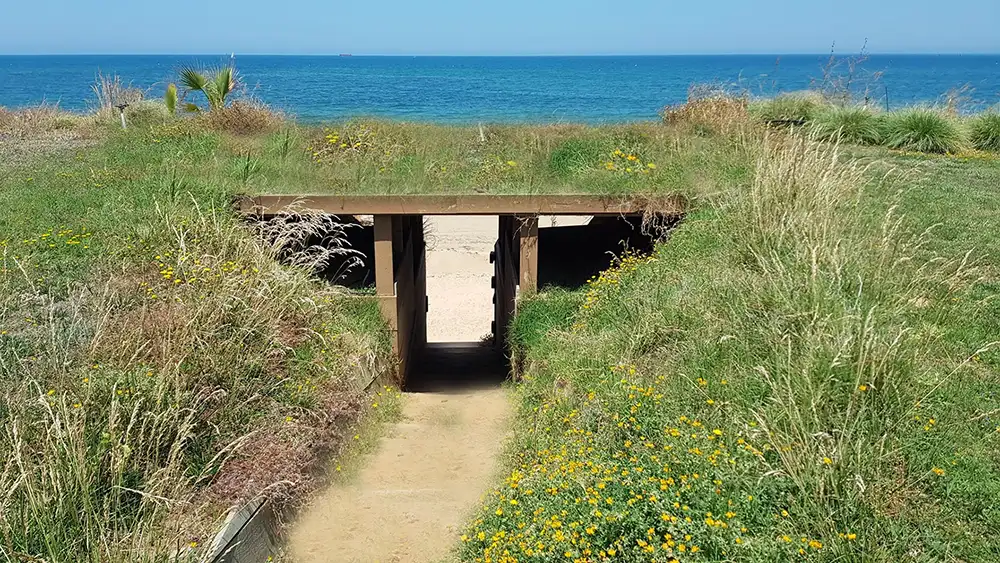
(571, 255)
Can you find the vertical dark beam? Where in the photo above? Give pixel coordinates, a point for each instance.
(385, 279)
(420, 283)
(505, 256)
(406, 298)
(528, 231)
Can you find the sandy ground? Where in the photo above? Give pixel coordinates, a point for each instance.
(459, 297)
(460, 300)
(416, 491)
(409, 503)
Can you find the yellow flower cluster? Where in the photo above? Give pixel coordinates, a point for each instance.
(627, 163)
(52, 238)
(619, 484)
(608, 282)
(357, 140)
(184, 269)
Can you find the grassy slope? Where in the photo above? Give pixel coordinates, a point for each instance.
(134, 307)
(783, 380)
(142, 334)
(375, 157)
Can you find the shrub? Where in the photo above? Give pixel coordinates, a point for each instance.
(923, 130)
(799, 108)
(24, 122)
(147, 113)
(849, 124)
(111, 91)
(717, 114)
(243, 117)
(984, 132)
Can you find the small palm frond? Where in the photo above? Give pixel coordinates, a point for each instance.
(170, 98)
(225, 79)
(225, 83)
(214, 99)
(192, 79)
(191, 108)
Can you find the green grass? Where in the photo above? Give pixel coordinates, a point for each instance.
(144, 334)
(922, 130)
(915, 129)
(984, 131)
(136, 311)
(855, 125)
(378, 157)
(803, 107)
(803, 366)
(799, 312)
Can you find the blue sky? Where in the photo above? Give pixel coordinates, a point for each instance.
(512, 27)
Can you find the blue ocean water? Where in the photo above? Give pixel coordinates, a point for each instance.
(501, 89)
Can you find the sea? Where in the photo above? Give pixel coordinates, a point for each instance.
(598, 89)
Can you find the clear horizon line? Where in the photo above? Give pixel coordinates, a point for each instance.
(522, 55)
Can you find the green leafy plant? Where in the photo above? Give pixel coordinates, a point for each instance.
(922, 130)
(170, 98)
(984, 132)
(216, 87)
(849, 124)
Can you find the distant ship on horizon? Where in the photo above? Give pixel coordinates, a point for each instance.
(346, 55)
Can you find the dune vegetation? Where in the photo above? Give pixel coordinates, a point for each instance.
(158, 363)
(804, 369)
(925, 129)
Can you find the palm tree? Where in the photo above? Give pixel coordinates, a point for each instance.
(216, 88)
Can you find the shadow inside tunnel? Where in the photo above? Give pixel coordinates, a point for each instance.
(443, 367)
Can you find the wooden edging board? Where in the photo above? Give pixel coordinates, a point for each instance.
(461, 204)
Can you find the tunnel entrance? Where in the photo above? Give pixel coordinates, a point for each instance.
(493, 249)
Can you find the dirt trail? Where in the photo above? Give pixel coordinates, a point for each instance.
(409, 502)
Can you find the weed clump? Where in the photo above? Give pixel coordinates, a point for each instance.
(850, 124)
(984, 131)
(922, 130)
(797, 108)
(147, 113)
(576, 155)
(712, 115)
(26, 122)
(243, 117)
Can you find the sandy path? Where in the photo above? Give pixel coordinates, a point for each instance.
(459, 297)
(408, 504)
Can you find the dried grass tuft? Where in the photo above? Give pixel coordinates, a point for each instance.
(716, 115)
(243, 117)
(38, 120)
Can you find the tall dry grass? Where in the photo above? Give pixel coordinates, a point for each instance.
(243, 117)
(139, 408)
(791, 313)
(26, 123)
